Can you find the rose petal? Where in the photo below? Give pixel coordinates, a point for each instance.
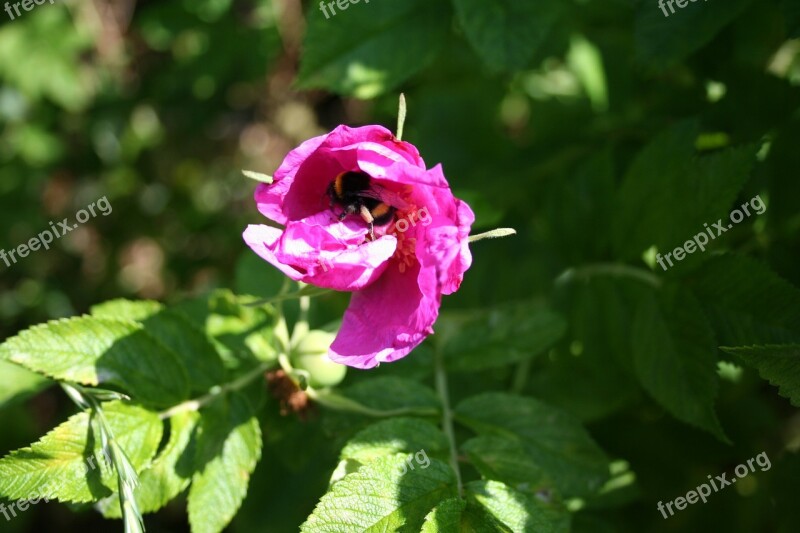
(446, 246)
(312, 254)
(377, 138)
(262, 240)
(388, 319)
(401, 174)
(269, 197)
(300, 185)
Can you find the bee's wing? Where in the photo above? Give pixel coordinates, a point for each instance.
(387, 196)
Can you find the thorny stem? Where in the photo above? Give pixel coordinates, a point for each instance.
(235, 385)
(447, 417)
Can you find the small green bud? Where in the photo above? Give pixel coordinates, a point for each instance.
(311, 354)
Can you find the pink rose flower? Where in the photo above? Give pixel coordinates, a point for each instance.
(398, 278)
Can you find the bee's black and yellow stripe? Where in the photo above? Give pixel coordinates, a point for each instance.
(352, 191)
(338, 185)
(382, 213)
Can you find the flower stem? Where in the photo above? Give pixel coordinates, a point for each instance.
(609, 269)
(308, 290)
(301, 327)
(220, 390)
(447, 417)
(334, 401)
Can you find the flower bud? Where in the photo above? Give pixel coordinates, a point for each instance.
(311, 354)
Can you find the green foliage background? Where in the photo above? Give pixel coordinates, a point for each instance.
(603, 132)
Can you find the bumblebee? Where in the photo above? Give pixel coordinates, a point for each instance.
(355, 193)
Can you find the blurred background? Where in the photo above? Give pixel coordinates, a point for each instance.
(158, 104)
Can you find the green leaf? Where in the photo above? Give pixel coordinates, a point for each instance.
(167, 476)
(669, 194)
(121, 309)
(445, 517)
(67, 464)
(505, 460)
(586, 61)
(779, 364)
(675, 356)
(663, 40)
(242, 335)
(591, 374)
(454, 515)
(371, 48)
(507, 33)
(17, 383)
(589, 191)
(555, 442)
(382, 496)
(256, 277)
(229, 447)
(393, 436)
(93, 351)
(521, 513)
(174, 331)
(747, 302)
(501, 336)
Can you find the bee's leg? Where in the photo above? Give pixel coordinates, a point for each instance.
(366, 215)
(369, 219)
